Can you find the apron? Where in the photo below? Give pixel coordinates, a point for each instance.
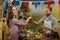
(48, 24)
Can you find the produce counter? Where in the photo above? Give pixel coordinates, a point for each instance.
(37, 33)
(34, 33)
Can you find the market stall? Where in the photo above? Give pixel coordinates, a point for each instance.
(31, 31)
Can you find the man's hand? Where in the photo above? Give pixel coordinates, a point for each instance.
(44, 27)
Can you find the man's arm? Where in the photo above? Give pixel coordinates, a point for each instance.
(40, 21)
(56, 25)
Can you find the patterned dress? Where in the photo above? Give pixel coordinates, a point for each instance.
(14, 29)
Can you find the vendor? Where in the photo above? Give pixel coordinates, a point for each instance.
(49, 21)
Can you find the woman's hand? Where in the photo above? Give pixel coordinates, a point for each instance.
(29, 19)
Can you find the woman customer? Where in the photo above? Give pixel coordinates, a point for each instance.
(13, 23)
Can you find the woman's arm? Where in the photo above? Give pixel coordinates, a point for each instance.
(18, 22)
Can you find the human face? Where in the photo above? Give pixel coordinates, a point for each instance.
(48, 12)
(14, 9)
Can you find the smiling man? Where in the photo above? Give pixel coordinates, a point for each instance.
(49, 21)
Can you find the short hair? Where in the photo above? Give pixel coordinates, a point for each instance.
(50, 8)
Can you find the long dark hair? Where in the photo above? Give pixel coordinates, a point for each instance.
(9, 16)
